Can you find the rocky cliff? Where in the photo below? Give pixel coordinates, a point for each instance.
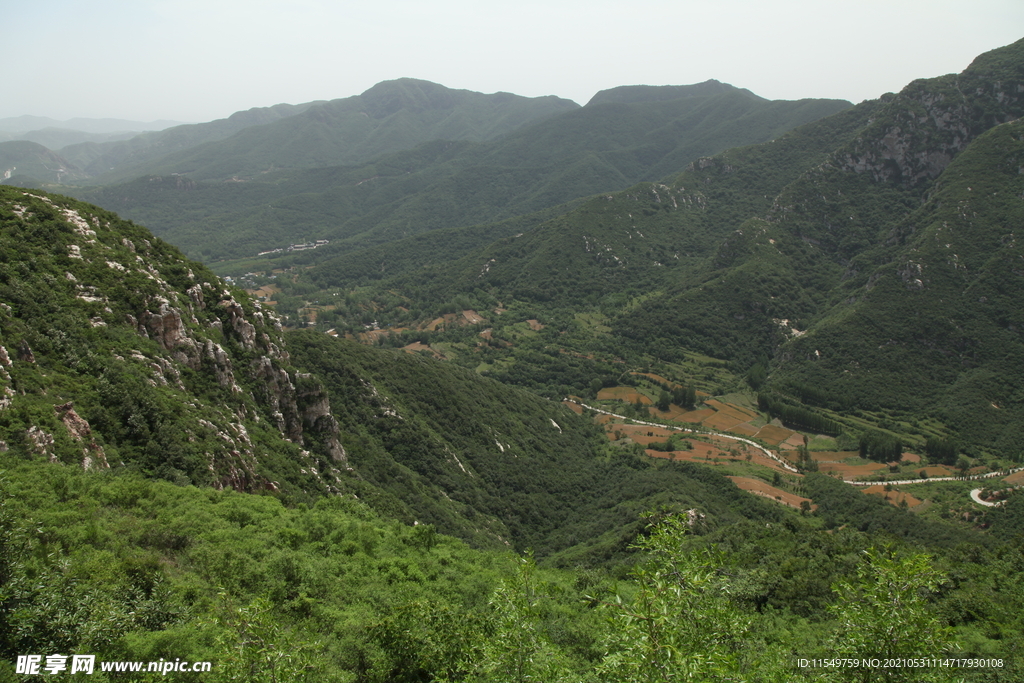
(114, 349)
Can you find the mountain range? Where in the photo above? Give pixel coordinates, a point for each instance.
(416, 485)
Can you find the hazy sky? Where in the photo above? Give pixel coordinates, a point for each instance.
(198, 60)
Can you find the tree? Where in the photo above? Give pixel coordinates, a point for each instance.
(518, 649)
(681, 624)
(883, 613)
(963, 464)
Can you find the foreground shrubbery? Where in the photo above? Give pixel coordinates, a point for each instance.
(129, 569)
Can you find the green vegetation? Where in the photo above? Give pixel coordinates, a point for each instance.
(126, 568)
(184, 477)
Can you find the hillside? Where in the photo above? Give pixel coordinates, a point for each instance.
(182, 480)
(803, 256)
(391, 116)
(468, 176)
(111, 157)
(119, 353)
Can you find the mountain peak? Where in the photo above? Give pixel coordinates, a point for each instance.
(628, 94)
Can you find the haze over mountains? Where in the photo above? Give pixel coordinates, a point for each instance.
(784, 292)
(511, 155)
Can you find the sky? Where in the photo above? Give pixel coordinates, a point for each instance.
(199, 60)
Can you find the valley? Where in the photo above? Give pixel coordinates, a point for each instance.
(680, 357)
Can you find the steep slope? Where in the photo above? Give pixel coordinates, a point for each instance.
(937, 329)
(486, 461)
(116, 351)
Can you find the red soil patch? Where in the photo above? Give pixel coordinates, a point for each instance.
(574, 407)
(643, 434)
(674, 412)
(854, 471)
(731, 409)
(416, 347)
(437, 322)
(472, 317)
(656, 378)
(761, 488)
(745, 429)
(794, 441)
(790, 456)
(774, 435)
(910, 457)
(535, 325)
(894, 496)
(1015, 478)
(627, 394)
(697, 416)
(833, 456)
(723, 421)
(486, 334)
(931, 471)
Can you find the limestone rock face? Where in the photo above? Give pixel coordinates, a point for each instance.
(164, 327)
(25, 353)
(315, 409)
(927, 124)
(209, 365)
(80, 430)
(278, 393)
(245, 330)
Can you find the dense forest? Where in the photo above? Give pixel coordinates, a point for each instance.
(380, 460)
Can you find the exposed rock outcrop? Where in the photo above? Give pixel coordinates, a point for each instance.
(80, 430)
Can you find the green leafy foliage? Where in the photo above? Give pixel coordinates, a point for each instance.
(680, 624)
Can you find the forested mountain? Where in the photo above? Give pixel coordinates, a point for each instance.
(184, 478)
(850, 258)
(130, 375)
(119, 353)
(391, 116)
(118, 158)
(420, 157)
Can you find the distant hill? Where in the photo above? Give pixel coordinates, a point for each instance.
(107, 158)
(23, 162)
(444, 183)
(391, 116)
(106, 126)
(627, 94)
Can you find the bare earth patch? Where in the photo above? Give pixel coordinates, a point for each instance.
(416, 347)
(774, 435)
(761, 488)
(627, 394)
(894, 497)
(1015, 478)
